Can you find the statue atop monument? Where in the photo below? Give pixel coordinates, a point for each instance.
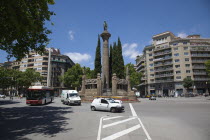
(105, 26)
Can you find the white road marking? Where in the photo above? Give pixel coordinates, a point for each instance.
(112, 118)
(134, 114)
(132, 110)
(99, 129)
(118, 122)
(121, 133)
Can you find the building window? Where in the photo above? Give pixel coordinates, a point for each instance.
(178, 77)
(186, 53)
(177, 66)
(184, 42)
(187, 59)
(150, 59)
(176, 60)
(189, 77)
(175, 44)
(176, 54)
(150, 54)
(185, 48)
(175, 49)
(178, 72)
(187, 71)
(150, 50)
(151, 70)
(151, 75)
(187, 65)
(151, 65)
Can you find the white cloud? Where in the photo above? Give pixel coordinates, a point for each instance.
(182, 35)
(71, 35)
(78, 57)
(130, 50)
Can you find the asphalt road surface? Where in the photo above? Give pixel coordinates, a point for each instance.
(163, 119)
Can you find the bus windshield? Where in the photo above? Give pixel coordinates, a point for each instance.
(35, 94)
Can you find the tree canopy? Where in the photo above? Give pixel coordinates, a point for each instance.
(135, 77)
(22, 26)
(187, 82)
(98, 59)
(207, 64)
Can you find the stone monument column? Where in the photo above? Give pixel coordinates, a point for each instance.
(105, 58)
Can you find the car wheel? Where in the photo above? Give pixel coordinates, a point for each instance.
(93, 108)
(113, 110)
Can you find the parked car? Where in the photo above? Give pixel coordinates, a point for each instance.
(2, 96)
(106, 105)
(152, 98)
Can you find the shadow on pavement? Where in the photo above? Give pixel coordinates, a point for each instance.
(5, 102)
(17, 122)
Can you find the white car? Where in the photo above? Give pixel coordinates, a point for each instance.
(2, 96)
(106, 105)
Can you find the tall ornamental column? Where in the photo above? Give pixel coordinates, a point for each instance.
(105, 62)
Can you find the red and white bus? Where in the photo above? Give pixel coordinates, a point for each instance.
(39, 95)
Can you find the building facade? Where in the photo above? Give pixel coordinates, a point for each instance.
(51, 64)
(170, 59)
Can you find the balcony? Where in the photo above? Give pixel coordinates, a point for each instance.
(201, 79)
(162, 59)
(162, 48)
(199, 73)
(165, 69)
(199, 67)
(162, 81)
(200, 49)
(163, 64)
(164, 75)
(199, 61)
(162, 53)
(200, 55)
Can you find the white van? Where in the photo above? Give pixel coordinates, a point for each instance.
(70, 97)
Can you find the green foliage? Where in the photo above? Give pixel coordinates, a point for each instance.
(73, 77)
(120, 60)
(98, 58)
(187, 82)
(22, 26)
(20, 80)
(135, 77)
(89, 73)
(117, 61)
(207, 64)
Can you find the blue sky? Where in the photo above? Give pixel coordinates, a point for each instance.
(78, 22)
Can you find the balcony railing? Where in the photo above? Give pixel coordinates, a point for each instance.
(201, 79)
(166, 69)
(163, 64)
(199, 73)
(162, 53)
(200, 49)
(199, 67)
(161, 59)
(167, 80)
(162, 48)
(164, 75)
(199, 61)
(200, 55)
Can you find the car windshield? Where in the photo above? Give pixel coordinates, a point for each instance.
(74, 94)
(112, 101)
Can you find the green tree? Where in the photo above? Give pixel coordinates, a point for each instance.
(89, 73)
(187, 83)
(207, 64)
(120, 67)
(114, 59)
(98, 58)
(135, 77)
(22, 26)
(73, 77)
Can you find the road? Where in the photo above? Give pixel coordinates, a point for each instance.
(163, 119)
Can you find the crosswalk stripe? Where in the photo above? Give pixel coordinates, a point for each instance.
(118, 122)
(112, 118)
(121, 133)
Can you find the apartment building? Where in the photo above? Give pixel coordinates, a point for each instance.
(51, 64)
(170, 59)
